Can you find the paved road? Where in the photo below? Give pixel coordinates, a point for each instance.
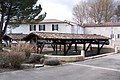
(105, 68)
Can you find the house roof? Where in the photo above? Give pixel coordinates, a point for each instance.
(14, 36)
(52, 21)
(48, 35)
(36, 21)
(106, 24)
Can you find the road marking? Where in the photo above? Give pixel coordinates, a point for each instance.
(110, 69)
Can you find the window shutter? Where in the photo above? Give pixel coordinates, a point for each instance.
(43, 27)
(57, 27)
(52, 27)
(30, 27)
(34, 28)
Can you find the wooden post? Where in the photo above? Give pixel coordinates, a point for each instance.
(53, 46)
(91, 47)
(41, 48)
(60, 47)
(84, 46)
(69, 47)
(98, 51)
(101, 46)
(56, 48)
(76, 47)
(65, 50)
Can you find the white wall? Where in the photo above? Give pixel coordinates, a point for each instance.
(75, 29)
(105, 31)
(25, 28)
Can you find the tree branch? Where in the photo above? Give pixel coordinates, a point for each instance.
(8, 18)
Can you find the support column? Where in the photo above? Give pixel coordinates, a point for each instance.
(53, 46)
(65, 50)
(69, 47)
(76, 47)
(84, 46)
(116, 49)
(91, 47)
(98, 51)
(60, 47)
(56, 48)
(41, 48)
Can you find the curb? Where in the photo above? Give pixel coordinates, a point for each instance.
(98, 56)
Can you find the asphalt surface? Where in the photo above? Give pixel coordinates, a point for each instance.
(104, 68)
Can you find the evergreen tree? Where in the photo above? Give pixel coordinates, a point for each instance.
(17, 10)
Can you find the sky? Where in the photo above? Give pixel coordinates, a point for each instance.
(58, 9)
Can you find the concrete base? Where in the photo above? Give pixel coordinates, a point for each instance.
(38, 65)
(66, 58)
(27, 66)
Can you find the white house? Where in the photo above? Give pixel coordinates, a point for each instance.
(47, 25)
(108, 29)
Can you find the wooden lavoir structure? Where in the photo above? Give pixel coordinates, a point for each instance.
(17, 37)
(67, 40)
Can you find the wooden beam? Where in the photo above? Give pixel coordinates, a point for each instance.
(102, 46)
(69, 47)
(88, 47)
(42, 46)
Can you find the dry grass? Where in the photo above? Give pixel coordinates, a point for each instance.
(27, 48)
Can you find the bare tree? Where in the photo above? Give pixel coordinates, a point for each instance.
(101, 10)
(117, 12)
(80, 12)
(108, 10)
(96, 10)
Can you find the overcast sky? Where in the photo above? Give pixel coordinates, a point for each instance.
(58, 9)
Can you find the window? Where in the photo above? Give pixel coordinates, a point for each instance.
(112, 35)
(118, 36)
(54, 27)
(32, 27)
(41, 27)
